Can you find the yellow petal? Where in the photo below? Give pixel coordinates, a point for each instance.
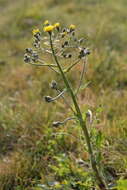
(48, 28)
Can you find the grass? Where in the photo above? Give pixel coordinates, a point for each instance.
(28, 148)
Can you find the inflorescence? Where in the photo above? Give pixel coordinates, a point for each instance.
(66, 46)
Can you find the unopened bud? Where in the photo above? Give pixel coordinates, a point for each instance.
(56, 123)
(89, 115)
(48, 98)
(35, 45)
(81, 40)
(69, 55)
(29, 50)
(27, 58)
(34, 56)
(84, 52)
(53, 85)
(66, 43)
(64, 30)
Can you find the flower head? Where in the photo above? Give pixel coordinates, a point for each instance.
(48, 28)
(35, 31)
(46, 22)
(72, 27)
(56, 25)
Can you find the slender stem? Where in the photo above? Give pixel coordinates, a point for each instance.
(67, 119)
(51, 66)
(66, 102)
(81, 77)
(70, 67)
(44, 64)
(100, 181)
(58, 96)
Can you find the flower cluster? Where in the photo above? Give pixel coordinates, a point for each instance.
(30, 55)
(66, 44)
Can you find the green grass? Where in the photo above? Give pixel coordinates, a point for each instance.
(27, 145)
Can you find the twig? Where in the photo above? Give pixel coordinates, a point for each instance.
(81, 77)
(69, 68)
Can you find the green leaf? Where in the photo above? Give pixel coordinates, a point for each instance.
(122, 184)
(99, 139)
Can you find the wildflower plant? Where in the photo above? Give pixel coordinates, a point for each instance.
(63, 44)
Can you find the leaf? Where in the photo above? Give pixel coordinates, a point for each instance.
(99, 139)
(122, 184)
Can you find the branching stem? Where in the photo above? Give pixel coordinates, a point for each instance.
(81, 77)
(100, 181)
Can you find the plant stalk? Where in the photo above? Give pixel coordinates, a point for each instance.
(100, 181)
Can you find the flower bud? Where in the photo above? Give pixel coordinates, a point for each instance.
(89, 115)
(53, 85)
(66, 43)
(34, 57)
(64, 30)
(56, 123)
(35, 45)
(48, 98)
(27, 58)
(29, 50)
(81, 40)
(69, 55)
(83, 52)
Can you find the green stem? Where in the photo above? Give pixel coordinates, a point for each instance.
(100, 181)
(50, 66)
(69, 68)
(81, 78)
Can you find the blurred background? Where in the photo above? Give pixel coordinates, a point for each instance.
(26, 142)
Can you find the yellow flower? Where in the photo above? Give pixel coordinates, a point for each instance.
(48, 28)
(35, 31)
(72, 27)
(56, 25)
(46, 22)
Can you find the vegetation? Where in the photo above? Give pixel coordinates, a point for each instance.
(34, 154)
